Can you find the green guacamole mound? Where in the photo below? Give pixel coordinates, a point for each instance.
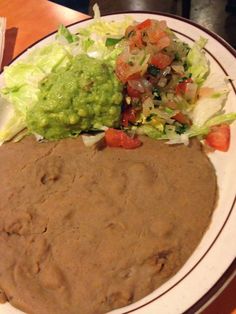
(83, 96)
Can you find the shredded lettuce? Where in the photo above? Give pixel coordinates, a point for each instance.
(150, 131)
(112, 41)
(96, 11)
(21, 85)
(94, 36)
(213, 104)
(11, 122)
(198, 64)
(63, 32)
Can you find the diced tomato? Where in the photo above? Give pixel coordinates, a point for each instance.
(219, 137)
(134, 76)
(182, 118)
(129, 142)
(124, 71)
(144, 25)
(129, 115)
(133, 92)
(155, 35)
(181, 87)
(117, 138)
(135, 40)
(161, 60)
(121, 69)
(163, 43)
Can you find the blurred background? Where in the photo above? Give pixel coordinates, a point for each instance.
(218, 16)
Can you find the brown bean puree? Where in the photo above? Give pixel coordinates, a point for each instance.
(84, 231)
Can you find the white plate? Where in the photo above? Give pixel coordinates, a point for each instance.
(217, 250)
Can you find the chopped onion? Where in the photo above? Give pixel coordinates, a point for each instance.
(128, 100)
(164, 115)
(146, 84)
(162, 82)
(39, 138)
(137, 85)
(104, 128)
(148, 106)
(90, 140)
(166, 71)
(179, 139)
(178, 68)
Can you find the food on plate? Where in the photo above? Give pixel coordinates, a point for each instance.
(90, 230)
(84, 95)
(169, 90)
(85, 231)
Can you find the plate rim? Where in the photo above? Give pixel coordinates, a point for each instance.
(229, 272)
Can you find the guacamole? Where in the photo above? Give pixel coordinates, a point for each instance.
(83, 96)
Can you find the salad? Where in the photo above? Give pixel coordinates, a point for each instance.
(164, 88)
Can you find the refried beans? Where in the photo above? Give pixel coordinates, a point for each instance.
(85, 231)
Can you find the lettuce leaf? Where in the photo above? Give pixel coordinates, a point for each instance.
(197, 62)
(211, 105)
(11, 122)
(63, 32)
(150, 131)
(93, 37)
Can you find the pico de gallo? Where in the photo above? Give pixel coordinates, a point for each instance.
(160, 90)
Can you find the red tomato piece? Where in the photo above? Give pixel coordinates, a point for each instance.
(135, 40)
(129, 142)
(124, 71)
(113, 137)
(133, 92)
(163, 43)
(161, 60)
(121, 70)
(144, 25)
(182, 118)
(117, 138)
(154, 35)
(134, 76)
(219, 137)
(129, 115)
(181, 87)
